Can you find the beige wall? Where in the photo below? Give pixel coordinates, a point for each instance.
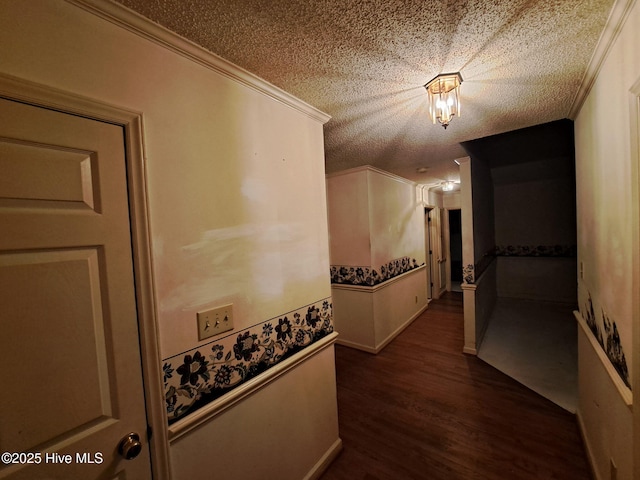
(479, 269)
(375, 218)
(235, 179)
(538, 212)
(545, 279)
(531, 213)
(301, 403)
(396, 219)
(483, 210)
(451, 200)
(605, 218)
(349, 227)
(235, 182)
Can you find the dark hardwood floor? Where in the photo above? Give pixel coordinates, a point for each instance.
(421, 409)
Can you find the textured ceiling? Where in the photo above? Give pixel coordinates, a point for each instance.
(364, 62)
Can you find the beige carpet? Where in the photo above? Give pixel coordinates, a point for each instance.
(536, 344)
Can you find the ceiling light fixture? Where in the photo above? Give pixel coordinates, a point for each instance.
(444, 97)
(448, 186)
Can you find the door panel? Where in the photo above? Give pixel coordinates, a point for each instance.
(41, 172)
(69, 340)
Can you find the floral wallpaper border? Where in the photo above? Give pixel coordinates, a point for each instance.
(536, 250)
(611, 345)
(196, 377)
(476, 271)
(369, 277)
(468, 274)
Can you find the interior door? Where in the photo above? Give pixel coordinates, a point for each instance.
(429, 252)
(69, 348)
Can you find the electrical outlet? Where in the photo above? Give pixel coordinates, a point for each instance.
(215, 321)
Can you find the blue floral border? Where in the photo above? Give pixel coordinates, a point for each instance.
(536, 250)
(369, 277)
(196, 377)
(468, 274)
(612, 346)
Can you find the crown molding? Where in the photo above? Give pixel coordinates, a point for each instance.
(617, 17)
(143, 27)
(370, 168)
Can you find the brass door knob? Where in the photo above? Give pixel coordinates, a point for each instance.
(130, 446)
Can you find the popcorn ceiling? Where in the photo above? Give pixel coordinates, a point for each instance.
(364, 62)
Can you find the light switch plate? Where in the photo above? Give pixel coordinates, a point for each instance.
(215, 321)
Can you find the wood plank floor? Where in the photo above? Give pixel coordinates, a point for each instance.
(421, 409)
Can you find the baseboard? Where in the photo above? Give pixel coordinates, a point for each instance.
(400, 329)
(587, 447)
(378, 348)
(470, 351)
(357, 346)
(327, 459)
(483, 331)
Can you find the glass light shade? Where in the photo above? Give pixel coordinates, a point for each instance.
(444, 97)
(447, 186)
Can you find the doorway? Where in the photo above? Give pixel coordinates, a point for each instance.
(455, 248)
(68, 295)
(71, 192)
(428, 251)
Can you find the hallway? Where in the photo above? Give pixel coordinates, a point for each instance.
(421, 409)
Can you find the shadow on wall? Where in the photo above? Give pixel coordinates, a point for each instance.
(533, 176)
(455, 244)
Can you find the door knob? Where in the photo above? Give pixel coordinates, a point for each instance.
(130, 446)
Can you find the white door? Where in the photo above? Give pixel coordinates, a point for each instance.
(70, 366)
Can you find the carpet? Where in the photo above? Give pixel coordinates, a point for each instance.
(535, 343)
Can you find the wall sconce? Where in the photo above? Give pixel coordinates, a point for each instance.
(444, 97)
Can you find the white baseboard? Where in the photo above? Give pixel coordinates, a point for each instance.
(400, 329)
(378, 348)
(587, 447)
(321, 466)
(357, 346)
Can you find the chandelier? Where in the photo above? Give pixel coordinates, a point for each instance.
(444, 97)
